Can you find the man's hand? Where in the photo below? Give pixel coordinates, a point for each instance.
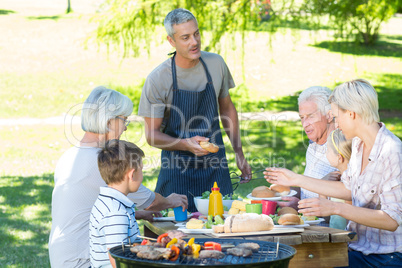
(245, 169)
(317, 207)
(193, 145)
(177, 200)
(280, 176)
(293, 202)
(147, 215)
(332, 176)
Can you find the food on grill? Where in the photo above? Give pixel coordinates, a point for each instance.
(146, 242)
(282, 190)
(240, 252)
(240, 205)
(210, 147)
(250, 245)
(262, 191)
(289, 219)
(156, 253)
(220, 228)
(136, 249)
(209, 245)
(287, 210)
(248, 222)
(233, 211)
(194, 224)
(213, 254)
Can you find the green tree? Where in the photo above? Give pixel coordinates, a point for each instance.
(360, 19)
(130, 26)
(69, 10)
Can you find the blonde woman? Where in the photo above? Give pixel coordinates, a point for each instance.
(373, 180)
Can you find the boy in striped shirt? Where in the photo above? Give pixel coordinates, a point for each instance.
(112, 219)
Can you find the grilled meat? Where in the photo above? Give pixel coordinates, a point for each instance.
(150, 255)
(239, 252)
(139, 248)
(253, 246)
(214, 254)
(166, 252)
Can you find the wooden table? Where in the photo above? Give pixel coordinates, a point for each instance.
(317, 246)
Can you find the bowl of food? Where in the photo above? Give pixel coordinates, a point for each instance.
(202, 202)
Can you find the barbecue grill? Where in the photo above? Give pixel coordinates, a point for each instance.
(269, 255)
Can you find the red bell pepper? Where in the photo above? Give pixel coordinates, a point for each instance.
(212, 246)
(159, 239)
(144, 242)
(176, 251)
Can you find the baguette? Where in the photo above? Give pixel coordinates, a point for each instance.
(210, 147)
(248, 222)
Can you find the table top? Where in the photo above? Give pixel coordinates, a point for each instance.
(311, 234)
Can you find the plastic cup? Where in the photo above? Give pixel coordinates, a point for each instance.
(268, 207)
(254, 208)
(179, 214)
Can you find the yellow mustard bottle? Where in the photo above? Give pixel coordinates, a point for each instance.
(215, 202)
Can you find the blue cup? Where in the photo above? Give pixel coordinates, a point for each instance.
(179, 214)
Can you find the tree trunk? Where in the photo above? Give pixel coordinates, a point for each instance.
(69, 10)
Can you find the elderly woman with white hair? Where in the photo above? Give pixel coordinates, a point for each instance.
(78, 180)
(373, 180)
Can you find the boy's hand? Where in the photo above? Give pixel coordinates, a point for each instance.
(147, 215)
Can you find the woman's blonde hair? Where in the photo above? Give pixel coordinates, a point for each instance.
(340, 144)
(358, 96)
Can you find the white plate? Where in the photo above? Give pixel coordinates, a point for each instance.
(275, 198)
(292, 226)
(315, 222)
(195, 231)
(169, 218)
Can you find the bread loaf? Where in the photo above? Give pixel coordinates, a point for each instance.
(219, 228)
(289, 219)
(248, 222)
(282, 190)
(210, 147)
(262, 191)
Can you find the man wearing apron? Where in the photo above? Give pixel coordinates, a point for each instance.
(180, 102)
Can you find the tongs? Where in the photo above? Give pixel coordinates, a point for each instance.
(235, 176)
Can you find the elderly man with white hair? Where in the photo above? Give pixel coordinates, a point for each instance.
(317, 121)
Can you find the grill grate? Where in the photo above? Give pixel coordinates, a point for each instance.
(269, 252)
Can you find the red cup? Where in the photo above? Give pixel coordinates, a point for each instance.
(268, 207)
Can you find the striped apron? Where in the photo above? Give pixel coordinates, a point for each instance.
(182, 172)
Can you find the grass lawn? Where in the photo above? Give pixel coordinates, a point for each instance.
(46, 71)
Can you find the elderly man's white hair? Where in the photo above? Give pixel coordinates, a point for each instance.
(319, 95)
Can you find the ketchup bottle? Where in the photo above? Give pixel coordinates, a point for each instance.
(215, 202)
